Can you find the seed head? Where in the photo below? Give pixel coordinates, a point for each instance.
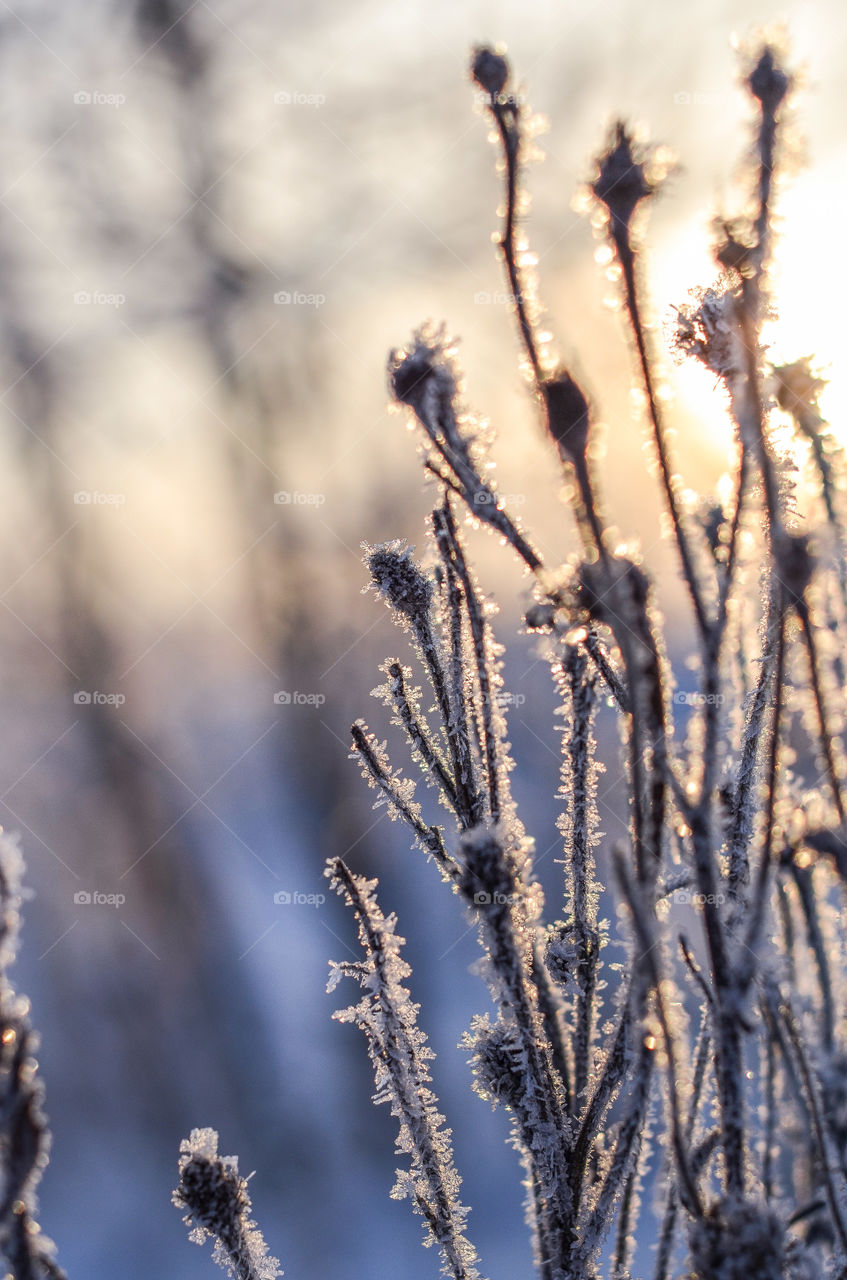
(794, 565)
(740, 1241)
(768, 82)
(490, 70)
(621, 183)
(399, 579)
(567, 415)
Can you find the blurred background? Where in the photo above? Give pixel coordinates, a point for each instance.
(215, 220)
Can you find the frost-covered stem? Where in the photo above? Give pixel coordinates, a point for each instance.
(463, 754)
(600, 659)
(408, 591)
(624, 1241)
(769, 84)
(713, 642)
(616, 591)
(388, 783)
(829, 1166)
(770, 1119)
(697, 974)
(578, 747)
(440, 686)
(666, 1238)
(729, 1069)
(624, 1158)
(626, 255)
(397, 1046)
(750, 413)
(24, 1133)
(552, 1015)
(419, 737)
(804, 882)
(613, 1073)
(446, 526)
(744, 799)
(495, 890)
(728, 576)
(646, 934)
(442, 430)
(809, 423)
(826, 735)
(491, 72)
(757, 908)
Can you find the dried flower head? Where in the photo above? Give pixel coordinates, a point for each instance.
(794, 565)
(499, 1064)
(738, 1241)
(709, 330)
(567, 415)
(768, 82)
(422, 374)
(621, 183)
(796, 387)
(217, 1206)
(490, 70)
(399, 579)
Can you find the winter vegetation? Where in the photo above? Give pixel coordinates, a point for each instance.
(715, 1049)
(675, 1077)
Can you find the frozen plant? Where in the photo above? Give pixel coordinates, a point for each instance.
(217, 1206)
(718, 1052)
(24, 1136)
